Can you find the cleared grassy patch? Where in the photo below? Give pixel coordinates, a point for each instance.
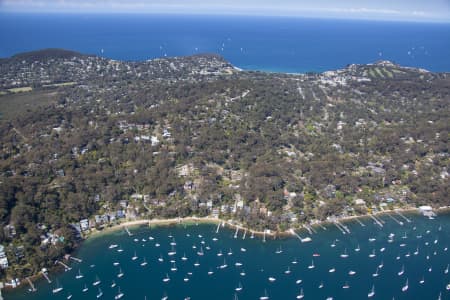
(12, 105)
(21, 89)
(60, 84)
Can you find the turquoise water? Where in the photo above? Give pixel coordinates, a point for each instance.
(260, 261)
(261, 43)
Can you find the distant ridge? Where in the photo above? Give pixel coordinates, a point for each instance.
(44, 54)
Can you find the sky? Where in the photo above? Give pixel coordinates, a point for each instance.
(393, 10)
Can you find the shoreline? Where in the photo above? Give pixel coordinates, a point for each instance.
(291, 232)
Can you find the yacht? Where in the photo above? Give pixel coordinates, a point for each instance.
(144, 263)
(321, 285)
(372, 255)
(376, 273)
(272, 279)
(372, 292)
(85, 289)
(99, 293)
(446, 270)
(210, 272)
(120, 274)
(301, 295)
(357, 249)
(279, 250)
(242, 273)
(422, 281)
(311, 266)
(196, 264)
(344, 255)
(166, 279)
(346, 286)
(79, 275)
(119, 294)
(200, 252)
(184, 258)
(401, 271)
(113, 284)
(351, 272)
(239, 287)
(134, 256)
(332, 270)
(97, 281)
(265, 297)
(405, 287)
(112, 246)
(58, 288)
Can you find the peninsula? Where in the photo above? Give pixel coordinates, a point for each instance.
(87, 142)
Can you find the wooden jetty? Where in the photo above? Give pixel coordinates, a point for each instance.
(76, 259)
(32, 287)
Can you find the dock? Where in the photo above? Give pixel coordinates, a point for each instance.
(46, 277)
(75, 259)
(403, 216)
(376, 220)
(245, 233)
(397, 221)
(128, 231)
(360, 223)
(339, 227)
(32, 287)
(236, 232)
(218, 227)
(66, 267)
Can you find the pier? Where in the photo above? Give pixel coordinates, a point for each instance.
(45, 276)
(128, 231)
(403, 216)
(236, 232)
(345, 227)
(376, 220)
(66, 267)
(360, 223)
(339, 227)
(32, 287)
(76, 259)
(218, 227)
(393, 218)
(245, 233)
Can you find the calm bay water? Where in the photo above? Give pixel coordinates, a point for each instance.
(419, 247)
(258, 43)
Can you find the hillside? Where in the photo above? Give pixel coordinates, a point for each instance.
(195, 136)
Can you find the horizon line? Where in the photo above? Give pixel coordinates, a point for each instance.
(231, 14)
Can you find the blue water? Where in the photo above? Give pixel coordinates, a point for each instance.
(257, 43)
(261, 260)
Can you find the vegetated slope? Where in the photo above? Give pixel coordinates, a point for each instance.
(194, 136)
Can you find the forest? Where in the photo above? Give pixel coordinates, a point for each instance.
(193, 135)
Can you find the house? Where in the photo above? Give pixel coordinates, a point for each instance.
(10, 231)
(84, 224)
(3, 258)
(360, 202)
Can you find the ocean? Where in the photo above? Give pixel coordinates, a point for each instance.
(253, 43)
(386, 258)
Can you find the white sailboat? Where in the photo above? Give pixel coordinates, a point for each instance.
(166, 279)
(119, 294)
(272, 279)
(372, 292)
(79, 275)
(346, 286)
(120, 274)
(301, 295)
(344, 255)
(144, 263)
(376, 273)
(239, 287)
(58, 288)
(97, 281)
(311, 266)
(265, 297)
(113, 284)
(99, 293)
(134, 256)
(85, 289)
(405, 287)
(402, 271)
